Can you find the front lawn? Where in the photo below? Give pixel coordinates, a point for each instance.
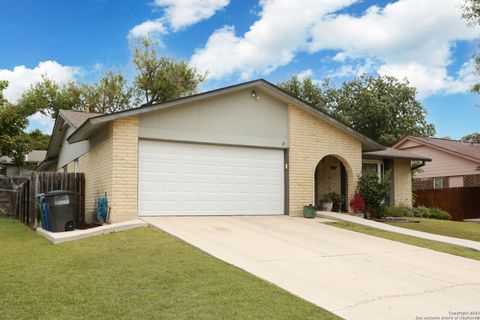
(137, 274)
(457, 229)
(429, 244)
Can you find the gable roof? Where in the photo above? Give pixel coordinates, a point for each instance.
(91, 124)
(467, 150)
(77, 118)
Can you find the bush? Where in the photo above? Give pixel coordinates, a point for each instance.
(431, 213)
(421, 212)
(397, 211)
(373, 190)
(357, 203)
(436, 213)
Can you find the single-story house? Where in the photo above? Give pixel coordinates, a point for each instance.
(454, 163)
(247, 149)
(8, 167)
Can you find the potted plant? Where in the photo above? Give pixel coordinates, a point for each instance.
(327, 202)
(309, 211)
(337, 200)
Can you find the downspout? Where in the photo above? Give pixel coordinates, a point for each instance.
(418, 166)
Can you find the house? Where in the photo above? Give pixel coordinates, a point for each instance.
(247, 149)
(454, 163)
(9, 168)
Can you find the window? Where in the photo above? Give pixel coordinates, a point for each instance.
(437, 183)
(373, 165)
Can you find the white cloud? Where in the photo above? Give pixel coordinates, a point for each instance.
(149, 27)
(42, 122)
(308, 73)
(183, 13)
(272, 41)
(21, 78)
(177, 14)
(406, 38)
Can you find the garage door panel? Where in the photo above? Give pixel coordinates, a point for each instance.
(195, 179)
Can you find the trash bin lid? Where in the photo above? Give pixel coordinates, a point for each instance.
(58, 193)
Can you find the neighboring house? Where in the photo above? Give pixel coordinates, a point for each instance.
(248, 149)
(9, 168)
(454, 163)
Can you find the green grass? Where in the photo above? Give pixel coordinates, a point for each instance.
(429, 244)
(137, 274)
(457, 229)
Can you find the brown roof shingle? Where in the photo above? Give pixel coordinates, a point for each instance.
(77, 118)
(464, 148)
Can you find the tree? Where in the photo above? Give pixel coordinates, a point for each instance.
(48, 97)
(473, 137)
(471, 13)
(161, 79)
(110, 94)
(39, 140)
(381, 108)
(307, 90)
(14, 143)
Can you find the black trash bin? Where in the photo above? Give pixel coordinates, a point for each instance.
(61, 210)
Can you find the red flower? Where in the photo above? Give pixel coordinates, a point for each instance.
(357, 203)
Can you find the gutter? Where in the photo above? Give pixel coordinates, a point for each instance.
(418, 166)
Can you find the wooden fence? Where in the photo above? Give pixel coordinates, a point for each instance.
(461, 203)
(26, 209)
(8, 188)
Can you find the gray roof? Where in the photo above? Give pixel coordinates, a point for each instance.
(77, 118)
(394, 154)
(34, 156)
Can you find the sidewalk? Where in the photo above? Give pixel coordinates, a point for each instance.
(383, 226)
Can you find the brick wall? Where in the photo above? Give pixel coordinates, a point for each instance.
(328, 179)
(125, 169)
(422, 183)
(97, 166)
(310, 140)
(111, 166)
(471, 180)
(402, 182)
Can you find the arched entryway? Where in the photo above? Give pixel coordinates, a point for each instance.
(332, 175)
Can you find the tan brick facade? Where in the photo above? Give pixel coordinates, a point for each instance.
(403, 182)
(111, 166)
(310, 140)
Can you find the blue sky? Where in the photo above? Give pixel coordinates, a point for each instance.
(425, 41)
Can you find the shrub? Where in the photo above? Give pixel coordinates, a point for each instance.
(421, 212)
(397, 211)
(436, 213)
(358, 203)
(374, 190)
(432, 213)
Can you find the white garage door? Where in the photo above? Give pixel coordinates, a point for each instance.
(196, 179)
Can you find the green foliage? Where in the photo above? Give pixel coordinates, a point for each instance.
(39, 140)
(48, 97)
(318, 95)
(397, 211)
(382, 108)
(14, 143)
(110, 94)
(473, 137)
(471, 13)
(332, 197)
(431, 213)
(161, 79)
(374, 190)
(421, 212)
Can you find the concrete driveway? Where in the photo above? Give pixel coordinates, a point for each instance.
(350, 274)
